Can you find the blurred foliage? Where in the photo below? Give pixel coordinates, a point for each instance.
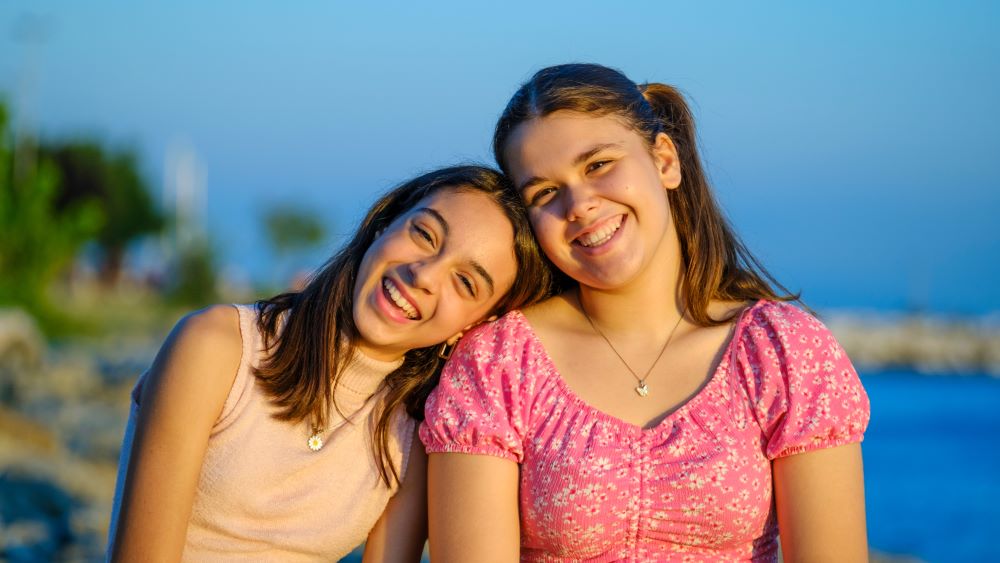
(89, 173)
(194, 281)
(54, 199)
(291, 229)
(38, 238)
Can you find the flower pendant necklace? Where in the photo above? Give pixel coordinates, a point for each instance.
(315, 441)
(642, 389)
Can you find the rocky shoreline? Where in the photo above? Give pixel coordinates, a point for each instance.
(62, 414)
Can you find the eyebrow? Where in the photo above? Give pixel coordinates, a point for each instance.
(580, 159)
(440, 218)
(475, 265)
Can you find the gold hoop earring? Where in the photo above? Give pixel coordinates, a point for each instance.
(444, 352)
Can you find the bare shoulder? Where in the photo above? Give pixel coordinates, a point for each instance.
(201, 354)
(219, 323)
(210, 335)
(728, 311)
(555, 312)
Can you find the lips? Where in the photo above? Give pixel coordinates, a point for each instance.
(600, 233)
(398, 297)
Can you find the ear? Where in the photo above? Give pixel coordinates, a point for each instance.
(668, 164)
(456, 337)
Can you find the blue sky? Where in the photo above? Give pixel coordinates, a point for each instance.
(853, 144)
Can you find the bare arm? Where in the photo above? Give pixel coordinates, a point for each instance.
(181, 399)
(820, 499)
(473, 508)
(400, 534)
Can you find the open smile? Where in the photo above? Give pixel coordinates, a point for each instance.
(397, 298)
(601, 233)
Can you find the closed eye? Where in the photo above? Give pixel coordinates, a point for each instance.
(424, 234)
(470, 286)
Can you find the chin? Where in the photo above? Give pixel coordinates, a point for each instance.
(606, 284)
(369, 331)
(613, 277)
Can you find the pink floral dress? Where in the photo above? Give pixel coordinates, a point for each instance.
(696, 487)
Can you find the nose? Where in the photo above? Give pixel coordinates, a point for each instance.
(580, 201)
(426, 275)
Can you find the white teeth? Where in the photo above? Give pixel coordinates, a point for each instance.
(601, 235)
(398, 299)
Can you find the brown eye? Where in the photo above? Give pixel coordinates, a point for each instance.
(597, 165)
(541, 196)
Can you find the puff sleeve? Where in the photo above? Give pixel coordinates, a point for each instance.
(804, 391)
(479, 405)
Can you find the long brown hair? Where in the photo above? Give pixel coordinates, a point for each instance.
(716, 263)
(309, 347)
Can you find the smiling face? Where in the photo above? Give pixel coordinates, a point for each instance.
(596, 194)
(437, 269)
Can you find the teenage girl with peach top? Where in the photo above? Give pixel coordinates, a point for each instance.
(284, 431)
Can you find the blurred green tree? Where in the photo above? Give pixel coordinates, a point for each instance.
(38, 237)
(111, 179)
(292, 230)
(193, 279)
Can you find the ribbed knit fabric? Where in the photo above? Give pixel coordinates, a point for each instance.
(263, 495)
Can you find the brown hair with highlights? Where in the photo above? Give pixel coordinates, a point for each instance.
(310, 335)
(716, 263)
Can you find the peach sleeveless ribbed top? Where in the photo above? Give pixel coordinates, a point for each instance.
(263, 495)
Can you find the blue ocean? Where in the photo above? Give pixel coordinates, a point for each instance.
(932, 466)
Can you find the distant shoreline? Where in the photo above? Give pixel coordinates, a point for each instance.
(925, 343)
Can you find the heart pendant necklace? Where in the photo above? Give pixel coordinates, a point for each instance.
(641, 389)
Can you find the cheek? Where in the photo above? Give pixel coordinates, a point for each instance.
(552, 242)
(454, 314)
(374, 251)
(364, 269)
(544, 226)
(390, 247)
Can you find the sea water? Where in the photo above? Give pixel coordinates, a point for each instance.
(932, 466)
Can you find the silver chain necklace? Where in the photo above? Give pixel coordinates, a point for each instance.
(642, 389)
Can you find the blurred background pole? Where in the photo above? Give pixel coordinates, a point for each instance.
(30, 31)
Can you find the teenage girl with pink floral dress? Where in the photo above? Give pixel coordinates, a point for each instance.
(670, 404)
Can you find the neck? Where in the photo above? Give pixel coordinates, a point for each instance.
(650, 304)
(380, 353)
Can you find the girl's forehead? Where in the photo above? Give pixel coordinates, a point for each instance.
(567, 127)
(452, 196)
(563, 137)
(459, 204)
